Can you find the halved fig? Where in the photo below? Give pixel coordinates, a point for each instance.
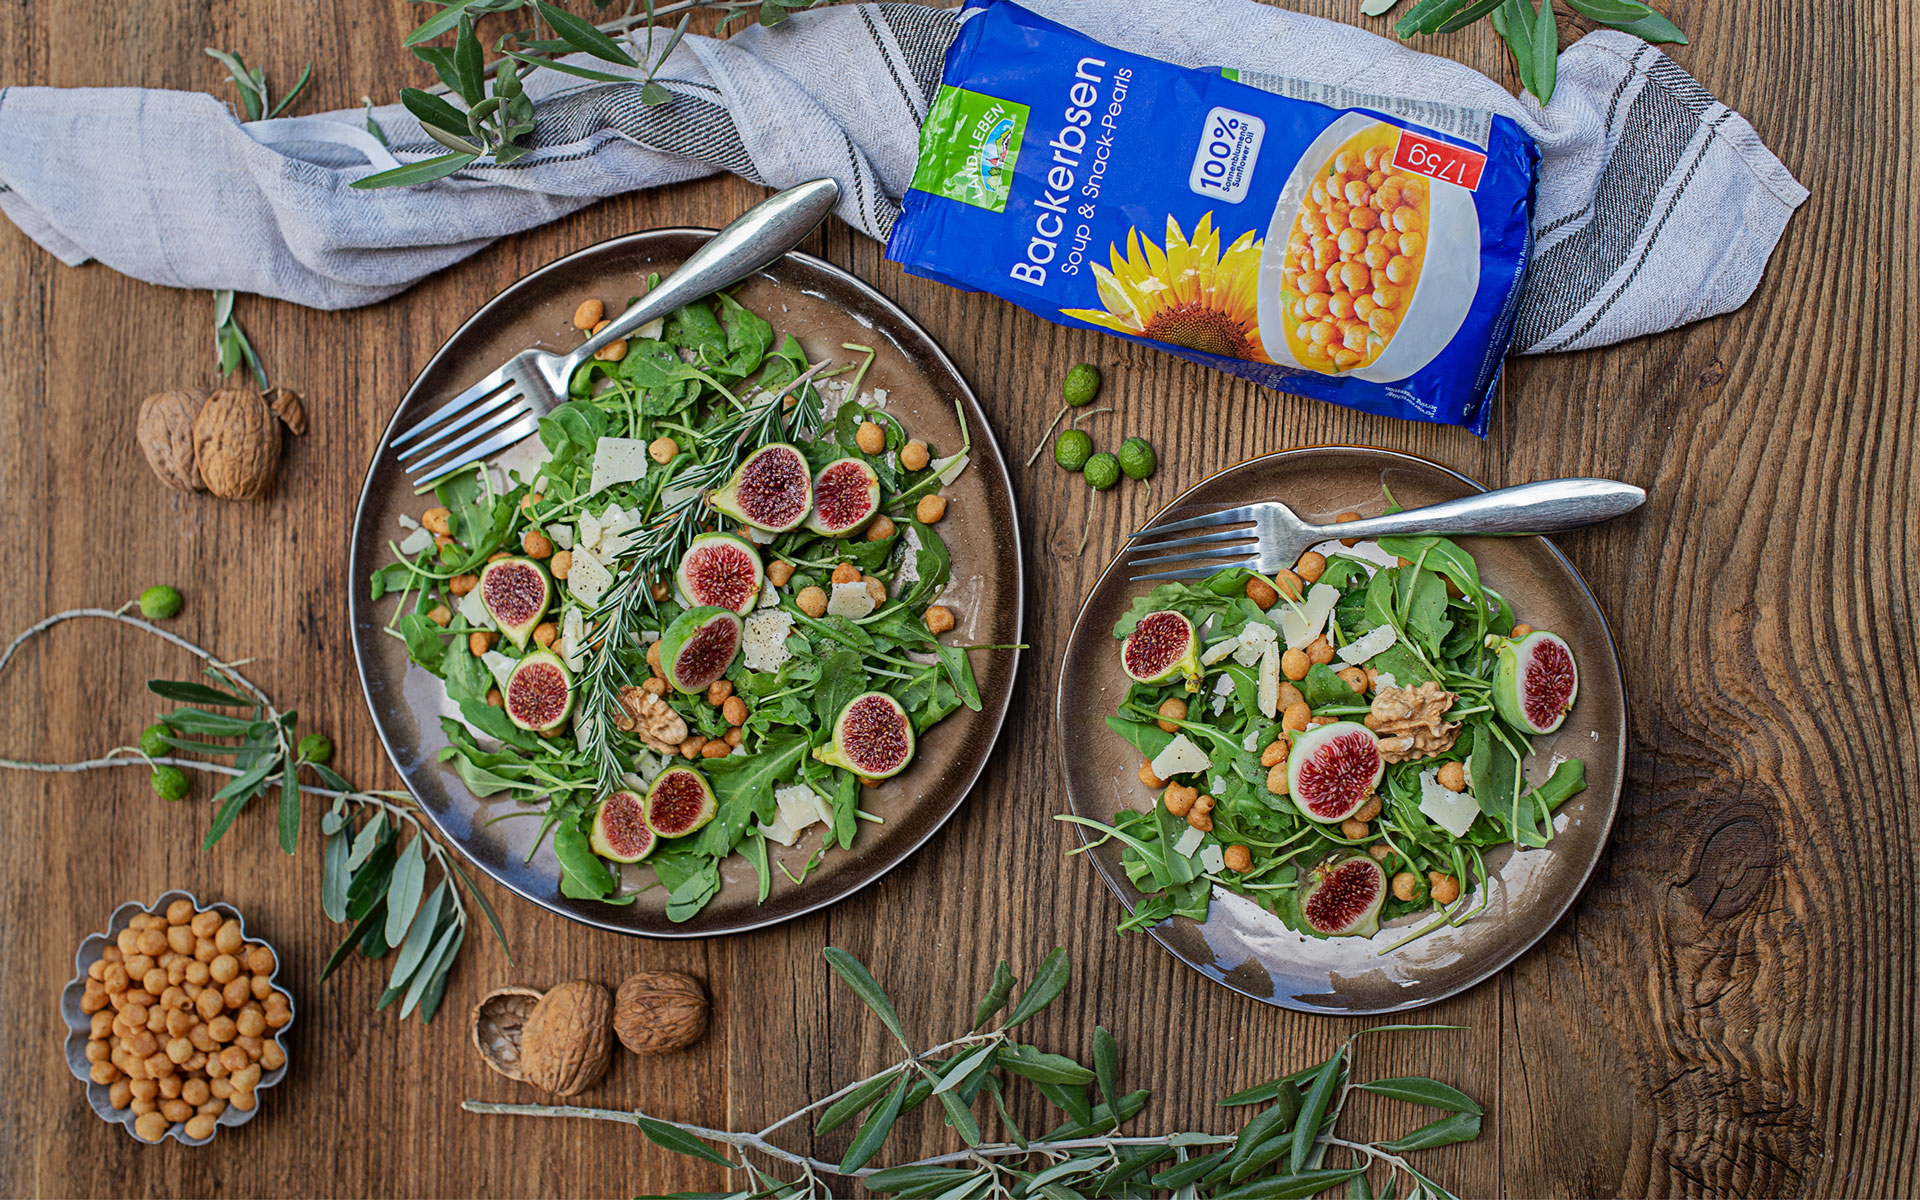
(515, 592)
(771, 490)
(1535, 680)
(620, 829)
(1333, 769)
(679, 802)
(1160, 647)
(1342, 896)
(721, 570)
(872, 737)
(846, 494)
(539, 692)
(699, 647)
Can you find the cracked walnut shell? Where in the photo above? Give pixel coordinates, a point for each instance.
(1411, 722)
(165, 433)
(498, 1021)
(646, 714)
(656, 1012)
(236, 444)
(566, 1042)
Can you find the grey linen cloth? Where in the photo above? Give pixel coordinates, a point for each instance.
(1657, 205)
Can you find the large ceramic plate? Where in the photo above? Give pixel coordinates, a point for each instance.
(1241, 944)
(824, 307)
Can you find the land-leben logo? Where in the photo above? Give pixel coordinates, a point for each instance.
(969, 146)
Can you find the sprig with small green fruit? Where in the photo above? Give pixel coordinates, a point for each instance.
(378, 854)
(1287, 1148)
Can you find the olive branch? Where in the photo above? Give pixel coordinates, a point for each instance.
(1281, 1151)
(378, 851)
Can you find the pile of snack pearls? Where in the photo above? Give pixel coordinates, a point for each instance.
(184, 1016)
(1073, 449)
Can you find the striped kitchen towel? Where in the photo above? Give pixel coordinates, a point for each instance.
(1657, 205)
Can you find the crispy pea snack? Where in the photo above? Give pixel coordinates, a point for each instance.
(1363, 249)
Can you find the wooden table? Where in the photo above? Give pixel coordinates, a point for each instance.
(1729, 1009)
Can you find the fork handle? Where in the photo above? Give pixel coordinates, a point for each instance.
(1527, 508)
(755, 238)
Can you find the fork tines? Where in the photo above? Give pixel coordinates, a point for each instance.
(1214, 551)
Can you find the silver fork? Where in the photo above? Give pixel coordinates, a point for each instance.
(1275, 537)
(506, 405)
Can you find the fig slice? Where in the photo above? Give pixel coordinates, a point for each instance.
(772, 489)
(846, 494)
(1535, 680)
(1161, 646)
(515, 592)
(1333, 769)
(539, 693)
(699, 647)
(620, 829)
(679, 802)
(721, 570)
(1342, 896)
(872, 737)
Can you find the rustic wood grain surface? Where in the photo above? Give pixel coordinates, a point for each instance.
(1731, 1009)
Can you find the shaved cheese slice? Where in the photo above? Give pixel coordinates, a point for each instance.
(562, 536)
(1254, 640)
(1189, 842)
(417, 542)
(475, 611)
(588, 579)
(588, 535)
(573, 631)
(1269, 697)
(1213, 859)
(617, 460)
(1219, 650)
(1367, 645)
(799, 806)
(850, 600)
(779, 831)
(763, 642)
(500, 665)
(1301, 623)
(1181, 757)
(1450, 810)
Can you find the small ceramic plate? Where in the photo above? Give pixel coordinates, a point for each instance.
(80, 1025)
(824, 307)
(1243, 945)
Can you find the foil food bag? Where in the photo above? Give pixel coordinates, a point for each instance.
(1361, 249)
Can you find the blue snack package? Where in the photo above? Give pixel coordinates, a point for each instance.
(1361, 249)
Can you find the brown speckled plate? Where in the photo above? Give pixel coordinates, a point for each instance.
(1241, 944)
(824, 307)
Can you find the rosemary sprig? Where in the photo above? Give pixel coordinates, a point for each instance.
(378, 852)
(496, 126)
(1281, 1151)
(1529, 28)
(629, 604)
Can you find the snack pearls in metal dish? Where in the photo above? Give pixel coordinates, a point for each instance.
(217, 1040)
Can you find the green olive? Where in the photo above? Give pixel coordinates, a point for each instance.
(1102, 471)
(1136, 458)
(1072, 449)
(160, 602)
(1082, 385)
(315, 748)
(153, 740)
(170, 783)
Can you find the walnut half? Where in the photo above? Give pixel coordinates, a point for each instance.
(1411, 722)
(646, 714)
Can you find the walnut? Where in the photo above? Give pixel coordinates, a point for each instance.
(285, 403)
(498, 1021)
(1411, 721)
(165, 433)
(646, 714)
(236, 444)
(655, 1012)
(564, 1046)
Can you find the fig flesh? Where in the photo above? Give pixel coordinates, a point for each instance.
(1342, 896)
(772, 489)
(1160, 647)
(846, 494)
(515, 592)
(721, 570)
(872, 737)
(1535, 681)
(679, 802)
(620, 829)
(1333, 769)
(699, 647)
(539, 693)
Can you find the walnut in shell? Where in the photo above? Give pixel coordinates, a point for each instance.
(567, 1040)
(165, 433)
(236, 444)
(498, 1021)
(657, 1012)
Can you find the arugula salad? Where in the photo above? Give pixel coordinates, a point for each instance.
(699, 617)
(1341, 744)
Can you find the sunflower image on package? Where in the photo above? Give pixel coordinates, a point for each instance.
(1361, 249)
